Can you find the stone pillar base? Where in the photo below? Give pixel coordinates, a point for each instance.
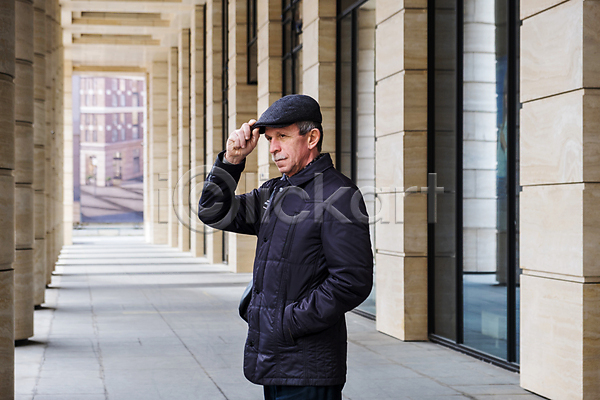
(560, 353)
(24, 306)
(39, 271)
(7, 338)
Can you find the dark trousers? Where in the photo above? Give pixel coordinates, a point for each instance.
(277, 392)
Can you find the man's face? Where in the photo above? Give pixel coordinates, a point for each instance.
(289, 149)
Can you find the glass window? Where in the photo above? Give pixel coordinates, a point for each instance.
(355, 152)
(225, 73)
(136, 161)
(474, 141)
(292, 46)
(252, 44)
(117, 166)
(225, 102)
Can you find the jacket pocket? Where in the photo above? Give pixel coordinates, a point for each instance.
(286, 331)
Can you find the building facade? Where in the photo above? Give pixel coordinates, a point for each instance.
(111, 129)
(470, 127)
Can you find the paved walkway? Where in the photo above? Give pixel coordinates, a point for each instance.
(128, 320)
(113, 204)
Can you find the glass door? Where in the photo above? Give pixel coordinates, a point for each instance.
(473, 185)
(355, 105)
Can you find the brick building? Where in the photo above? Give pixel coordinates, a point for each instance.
(111, 128)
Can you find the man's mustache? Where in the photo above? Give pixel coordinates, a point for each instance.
(278, 157)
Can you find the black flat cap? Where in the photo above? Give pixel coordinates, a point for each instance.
(288, 110)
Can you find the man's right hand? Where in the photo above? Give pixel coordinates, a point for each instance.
(241, 142)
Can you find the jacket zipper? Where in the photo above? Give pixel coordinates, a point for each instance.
(289, 238)
(270, 206)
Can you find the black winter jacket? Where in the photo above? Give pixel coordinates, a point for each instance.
(313, 263)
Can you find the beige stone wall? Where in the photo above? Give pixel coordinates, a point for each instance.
(560, 287)
(7, 197)
(401, 162)
(213, 109)
(158, 146)
(269, 87)
(172, 178)
(318, 63)
(197, 127)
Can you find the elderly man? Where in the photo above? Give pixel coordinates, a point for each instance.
(313, 259)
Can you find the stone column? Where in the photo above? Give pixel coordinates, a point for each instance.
(7, 197)
(53, 125)
(49, 149)
(57, 150)
(24, 235)
(401, 162)
(158, 141)
(214, 97)
(560, 171)
(269, 76)
(60, 82)
(67, 153)
(172, 148)
(318, 62)
(146, 163)
(183, 141)
(39, 140)
(242, 107)
(197, 127)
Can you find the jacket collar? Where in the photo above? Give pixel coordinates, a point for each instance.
(315, 167)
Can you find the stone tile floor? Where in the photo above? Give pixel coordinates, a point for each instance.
(128, 320)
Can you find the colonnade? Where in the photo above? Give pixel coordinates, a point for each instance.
(203, 76)
(191, 86)
(31, 166)
(186, 96)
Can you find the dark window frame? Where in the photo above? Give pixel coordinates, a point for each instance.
(288, 12)
(512, 181)
(349, 12)
(225, 97)
(252, 42)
